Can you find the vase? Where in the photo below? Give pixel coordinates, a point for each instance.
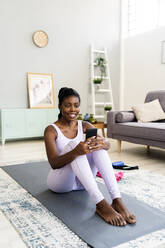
(86, 117)
(79, 117)
(92, 120)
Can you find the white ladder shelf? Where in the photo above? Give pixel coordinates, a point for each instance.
(101, 93)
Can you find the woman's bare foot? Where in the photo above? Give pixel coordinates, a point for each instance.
(106, 212)
(119, 206)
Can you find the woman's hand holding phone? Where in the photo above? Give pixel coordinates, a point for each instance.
(84, 147)
(90, 145)
(96, 144)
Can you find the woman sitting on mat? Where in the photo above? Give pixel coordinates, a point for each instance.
(75, 161)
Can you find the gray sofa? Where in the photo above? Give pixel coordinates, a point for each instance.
(123, 126)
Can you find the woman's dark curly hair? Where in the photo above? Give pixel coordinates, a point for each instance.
(64, 93)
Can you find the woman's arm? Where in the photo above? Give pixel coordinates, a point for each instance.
(58, 161)
(100, 142)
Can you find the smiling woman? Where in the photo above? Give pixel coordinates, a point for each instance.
(75, 161)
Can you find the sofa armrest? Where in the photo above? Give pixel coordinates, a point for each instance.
(111, 120)
(118, 117)
(125, 116)
(111, 117)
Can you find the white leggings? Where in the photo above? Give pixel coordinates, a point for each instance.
(81, 172)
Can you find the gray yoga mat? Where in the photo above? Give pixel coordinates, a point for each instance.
(77, 210)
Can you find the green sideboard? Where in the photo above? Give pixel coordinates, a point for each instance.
(25, 123)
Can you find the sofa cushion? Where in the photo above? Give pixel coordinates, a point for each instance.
(125, 116)
(151, 111)
(152, 131)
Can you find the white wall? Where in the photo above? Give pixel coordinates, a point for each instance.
(143, 70)
(71, 26)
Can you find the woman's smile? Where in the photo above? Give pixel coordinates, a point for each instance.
(72, 115)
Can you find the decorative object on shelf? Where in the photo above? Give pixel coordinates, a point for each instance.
(107, 108)
(40, 90)
(101, 63)
(40, 38)
(86, 117)
(92, 120)
(79, 117)
(97, 81)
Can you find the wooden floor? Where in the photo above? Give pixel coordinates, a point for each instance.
(34, 150)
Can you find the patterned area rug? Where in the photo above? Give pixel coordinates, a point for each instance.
(39, 228)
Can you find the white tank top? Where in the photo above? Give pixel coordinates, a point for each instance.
(62, 140)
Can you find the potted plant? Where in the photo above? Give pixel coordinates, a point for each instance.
(108, 108)
(101, 63)
(97, 80)
(92, 120)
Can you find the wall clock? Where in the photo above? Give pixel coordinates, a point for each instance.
(40, 38)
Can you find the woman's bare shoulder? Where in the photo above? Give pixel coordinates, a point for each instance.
(50, 131)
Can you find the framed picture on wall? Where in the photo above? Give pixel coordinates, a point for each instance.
(163, 52)
(40, 90)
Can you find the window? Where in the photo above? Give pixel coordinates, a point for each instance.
(161, 13)
(143, 15)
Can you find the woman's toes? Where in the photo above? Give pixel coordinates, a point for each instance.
(134, 219)
(124, 222)
(111, 222)
(131, 219)
(117, 222)
(121, 221)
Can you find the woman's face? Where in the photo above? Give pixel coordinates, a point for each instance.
(70, 108)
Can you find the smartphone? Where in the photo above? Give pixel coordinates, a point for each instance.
(91, 132)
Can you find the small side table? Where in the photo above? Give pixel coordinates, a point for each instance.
(100, 125)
